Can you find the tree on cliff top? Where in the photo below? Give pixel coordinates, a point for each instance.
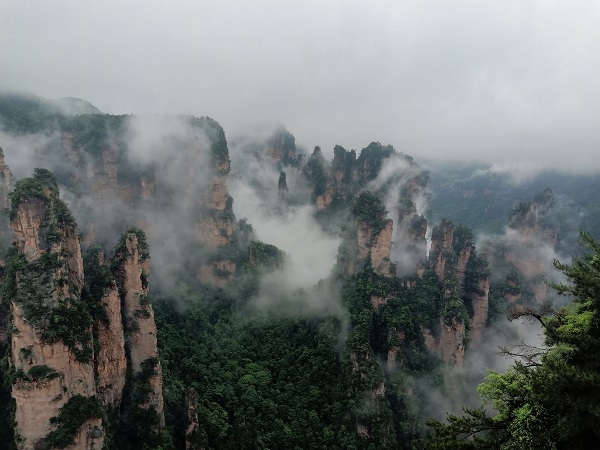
(547, 402)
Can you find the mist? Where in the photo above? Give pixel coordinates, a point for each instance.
(288, 224)
(506, 83)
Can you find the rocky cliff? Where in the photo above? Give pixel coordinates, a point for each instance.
(6, 182)
(368, 238)
(68, 346)
(51, 342)
(132, 267)
(466, 279)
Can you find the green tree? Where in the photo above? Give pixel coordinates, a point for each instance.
(550, 399)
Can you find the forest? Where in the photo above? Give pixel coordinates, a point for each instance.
(167, 287)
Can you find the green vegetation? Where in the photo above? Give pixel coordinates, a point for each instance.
(369, 208)
(121, 252)
(65, 318)
(316, 173)
(42, 185)
(43, 372)
(94, 132)
(549, 398)
(216, 135)
(22, 114)
(276, 384)
(71, 417)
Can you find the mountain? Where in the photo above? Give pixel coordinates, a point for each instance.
(139, 307)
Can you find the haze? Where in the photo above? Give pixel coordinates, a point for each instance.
(515, 83)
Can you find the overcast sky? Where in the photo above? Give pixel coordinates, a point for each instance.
(502, 81)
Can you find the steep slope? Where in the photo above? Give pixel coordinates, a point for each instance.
(51, 342)
(132, 269)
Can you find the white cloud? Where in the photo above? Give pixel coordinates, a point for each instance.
(505, 82)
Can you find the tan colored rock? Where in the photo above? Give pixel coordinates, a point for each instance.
(89, 437)
(452, 349)
(363, 238)
(378, 247)
(480, 304)
(461, 267)
(215, 231)
(139, 318)
(27, 226)
(111, 361)
(381, 250)
(217, 194)
(38, 400)
(449, 346)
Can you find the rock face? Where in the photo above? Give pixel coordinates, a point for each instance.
(480, 301)
(133, 274)
(281, 147)
(282, 188)
(369, 238)
(6, 182)
(111, 362)
(465, 277)
(449, 345)
(531, 230)
(69, 364)
(380, 250)
(54, 365)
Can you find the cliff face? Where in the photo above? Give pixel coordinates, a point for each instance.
(68, 345)
(368, 238)
(6, 182)
(111, 362)
(480, 301)
(281, 147)
(449, 345)
(465, 277)
(53, 364)
(133, 269)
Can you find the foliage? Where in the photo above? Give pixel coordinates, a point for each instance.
(42, 372)
(22, 114)
(71, 417)
(121, 252)
(550, 402)
(369, 208)
(216, 136)
(276, 384)
(316, 173)
(372, 157)
(94, 131)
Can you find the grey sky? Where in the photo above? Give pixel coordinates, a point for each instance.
(511, 81)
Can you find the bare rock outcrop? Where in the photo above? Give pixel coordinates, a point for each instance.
(111, 361)
(480, 302)
(449, 345)
(133, 273)
(53, 364)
